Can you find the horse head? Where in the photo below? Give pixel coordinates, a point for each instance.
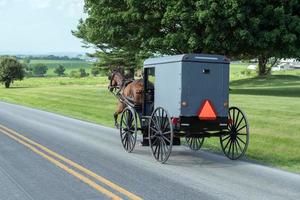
(116, 80)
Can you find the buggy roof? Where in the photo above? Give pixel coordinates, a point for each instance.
(204, 58)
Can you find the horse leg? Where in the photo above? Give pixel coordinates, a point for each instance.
(116, 119)
(119, 110)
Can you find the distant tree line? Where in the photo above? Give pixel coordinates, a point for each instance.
(12, 69)
(125, 32)
(49, 57)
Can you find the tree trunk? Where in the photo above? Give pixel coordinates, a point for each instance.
(262, 66)
(7, 84)
(132, 71)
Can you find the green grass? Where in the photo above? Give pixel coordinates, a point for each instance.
(272, 105)
(70, 65)
(86, 102)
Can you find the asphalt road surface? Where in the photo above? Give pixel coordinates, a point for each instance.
(48, 156)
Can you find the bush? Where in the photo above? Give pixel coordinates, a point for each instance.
(39, 69)
(95, 71)
(83, 73)
(74, 74)
(78, 74)
(60, 70)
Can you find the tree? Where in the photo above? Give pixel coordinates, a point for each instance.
(83, 73)
(116, 59)
(60, 70)
(251, 29)
(39, 69)
(238, 29)
(10, 70)
(109, 29)
(95, 70)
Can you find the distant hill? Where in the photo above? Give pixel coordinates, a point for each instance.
(35, 54)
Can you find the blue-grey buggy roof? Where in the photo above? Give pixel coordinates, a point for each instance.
(207, 58)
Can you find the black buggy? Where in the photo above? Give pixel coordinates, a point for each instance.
(190, 99)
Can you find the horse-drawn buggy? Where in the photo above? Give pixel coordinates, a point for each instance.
(180, 96)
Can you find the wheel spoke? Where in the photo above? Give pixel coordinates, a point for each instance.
(232, 153)
(164, 137)
(129, 142)
(158, 151)
(237, 117)
(196, 143)
(126, 143)
(156, 146)
(125, 117)
(163, 119)
(240, 140)
(155, 141)
(241, 128)
(167, 133)
(155, 124)
(239, 123)
(165, 147)
(238, 144)
(153, 129)
(123, 138)
(227, 143)
(123, 121)
(162, 150)
(233, 118)
(236, 148)
(225, 138)
(228, 152)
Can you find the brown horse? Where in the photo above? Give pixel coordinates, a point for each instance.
(130, 89)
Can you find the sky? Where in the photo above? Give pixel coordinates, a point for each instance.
(40, 26)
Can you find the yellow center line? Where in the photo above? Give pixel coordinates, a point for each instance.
(73, 164)
(64, 167)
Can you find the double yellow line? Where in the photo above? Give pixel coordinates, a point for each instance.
(63, 163)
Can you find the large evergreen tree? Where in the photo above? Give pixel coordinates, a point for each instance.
(238, 29)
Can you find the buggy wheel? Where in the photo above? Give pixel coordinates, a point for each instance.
(160, 135)
(128, 129)
(235, 143)
(194, 143)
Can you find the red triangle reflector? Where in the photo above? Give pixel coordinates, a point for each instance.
(207, 111)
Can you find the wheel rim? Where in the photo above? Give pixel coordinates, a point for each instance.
(235, 143)
(195, 144)
(128, 129)
(160, 135)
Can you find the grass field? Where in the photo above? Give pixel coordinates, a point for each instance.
(272, 106)
(70, 65)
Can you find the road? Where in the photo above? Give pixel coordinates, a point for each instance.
(49, 156)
